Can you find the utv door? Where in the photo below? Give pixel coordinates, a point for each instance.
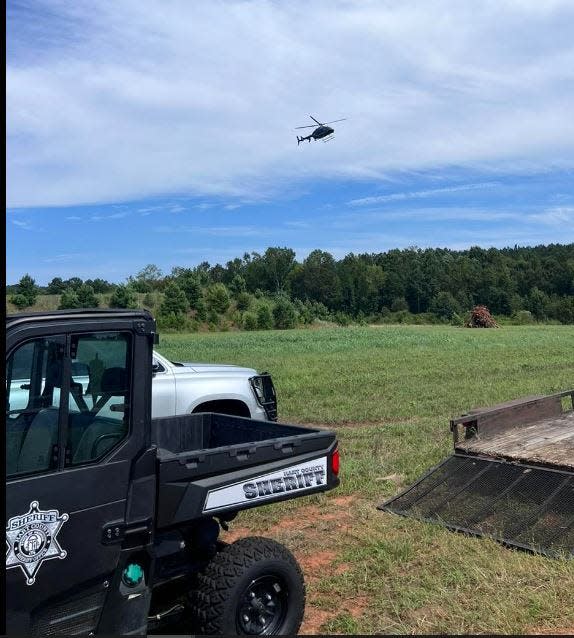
(70, 441)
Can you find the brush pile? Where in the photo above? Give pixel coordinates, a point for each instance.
(480, 317)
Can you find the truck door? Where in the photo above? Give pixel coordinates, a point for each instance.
(68, 419)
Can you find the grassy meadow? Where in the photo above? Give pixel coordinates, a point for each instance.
(389, 392)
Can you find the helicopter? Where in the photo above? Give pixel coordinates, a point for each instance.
(321, 132)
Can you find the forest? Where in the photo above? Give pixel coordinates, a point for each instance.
(274, 289)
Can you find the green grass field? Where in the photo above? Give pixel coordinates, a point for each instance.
(390, 392)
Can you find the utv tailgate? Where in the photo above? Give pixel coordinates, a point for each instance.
(213, 463)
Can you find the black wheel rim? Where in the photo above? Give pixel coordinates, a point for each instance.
(263, 606)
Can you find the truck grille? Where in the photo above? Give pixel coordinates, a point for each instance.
(521, 506)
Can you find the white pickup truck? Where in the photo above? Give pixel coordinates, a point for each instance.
(183, 388)
(177, 388)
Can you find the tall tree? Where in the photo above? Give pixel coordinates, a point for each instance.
(56, 286)
(147, 279)
(174, 301)
(318, 279)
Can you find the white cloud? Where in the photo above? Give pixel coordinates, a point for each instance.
(395, 197)
(107, 102)
(555, 216)
(25, 224)
(105, 217)
(169, 207)
(64, 257)
(222, 231)
(22, 224)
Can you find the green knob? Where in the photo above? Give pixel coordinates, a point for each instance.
(133, 575)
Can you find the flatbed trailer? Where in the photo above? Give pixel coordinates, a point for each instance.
(511, 476)
(532, 430)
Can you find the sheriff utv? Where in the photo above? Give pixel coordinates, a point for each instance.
(113, 519)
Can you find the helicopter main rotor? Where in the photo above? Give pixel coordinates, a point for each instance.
(319, 123)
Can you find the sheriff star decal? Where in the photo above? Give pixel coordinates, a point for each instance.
(31, 539)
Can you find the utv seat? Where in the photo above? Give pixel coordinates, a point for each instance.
(41, 436)
(104, 431)
(38, 428)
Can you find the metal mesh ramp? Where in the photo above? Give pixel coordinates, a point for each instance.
(518, 505)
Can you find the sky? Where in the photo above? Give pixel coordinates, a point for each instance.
(164, 132)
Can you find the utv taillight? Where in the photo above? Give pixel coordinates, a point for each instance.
(335, 462)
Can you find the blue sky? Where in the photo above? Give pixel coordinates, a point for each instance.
(167, 135)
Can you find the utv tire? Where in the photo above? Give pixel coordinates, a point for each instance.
(252, 587)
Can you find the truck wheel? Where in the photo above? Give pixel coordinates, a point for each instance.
(252, 587)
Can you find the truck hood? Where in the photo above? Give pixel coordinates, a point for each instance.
(185, 366)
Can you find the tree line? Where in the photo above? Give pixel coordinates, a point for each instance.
(273, 289)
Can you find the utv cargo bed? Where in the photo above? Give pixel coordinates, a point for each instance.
(511, 477)
(214, 463)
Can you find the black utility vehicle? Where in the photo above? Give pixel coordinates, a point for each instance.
(112, 519)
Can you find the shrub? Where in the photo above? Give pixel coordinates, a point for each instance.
(123, 297)
(174, 322)
(399, 304)
(243, 301)
(149, 300)
(536, 302)
(217, 298)
(342, 319)
(238, 285)
(284, 314)
(87, 297)
(213, 318)
(174, 301)
(402, 316)
(444, 305)
(264, 317)
(456, 320)
(69, 299)
(20, 301)
(250, 321)
(191, 287)
(26, 292)
(200, 310)
(303, 312)
(523, 317)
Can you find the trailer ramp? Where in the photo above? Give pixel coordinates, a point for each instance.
(519, 505)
